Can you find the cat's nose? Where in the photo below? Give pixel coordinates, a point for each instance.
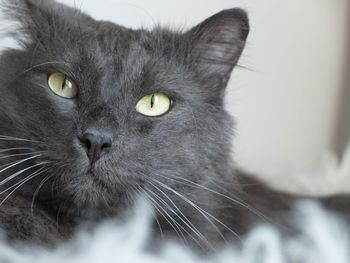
(95, 143)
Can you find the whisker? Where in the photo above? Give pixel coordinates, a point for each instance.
(19, 162)
(155, 206)
(15, 149)
(204, 213)
(11, 138)
(23, 182)
(14, 185)
(165, 216)
(141, 195)
(239, 202)
(41, 184)
(20, 172)
(58, 216)
(176, 227)
(6, 164)
(19, 154)
(37, 66)
(189, 224)
(172, 210)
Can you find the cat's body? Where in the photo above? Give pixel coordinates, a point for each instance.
(89, 157)
(20, 222)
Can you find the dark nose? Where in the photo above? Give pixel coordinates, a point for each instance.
(95, 143)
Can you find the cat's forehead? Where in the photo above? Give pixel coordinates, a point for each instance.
(127, 54)
(113, 46)
(111, 38)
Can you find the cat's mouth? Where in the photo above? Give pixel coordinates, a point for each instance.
(93, 171)
(95, 181)
(110, 180)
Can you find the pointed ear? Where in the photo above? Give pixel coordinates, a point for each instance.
(42, 20)
(218, 42)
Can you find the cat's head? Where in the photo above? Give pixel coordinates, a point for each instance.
(99, 112)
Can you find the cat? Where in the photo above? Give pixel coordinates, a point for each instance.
(95, 116)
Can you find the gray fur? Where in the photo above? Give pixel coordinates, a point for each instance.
(114, 67)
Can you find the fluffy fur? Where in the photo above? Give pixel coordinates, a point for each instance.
(323, 239)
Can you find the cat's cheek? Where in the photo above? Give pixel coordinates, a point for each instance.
(63, 107)
(144, 127)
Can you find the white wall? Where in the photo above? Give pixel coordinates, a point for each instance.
(287, 105)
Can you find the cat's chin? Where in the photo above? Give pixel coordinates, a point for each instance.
(96, 199)
(100, 186)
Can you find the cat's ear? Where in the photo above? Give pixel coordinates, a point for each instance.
(42, 20)
(218, 42)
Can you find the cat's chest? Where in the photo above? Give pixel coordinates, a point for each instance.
(23, 221)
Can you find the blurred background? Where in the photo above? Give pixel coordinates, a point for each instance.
(291, 98)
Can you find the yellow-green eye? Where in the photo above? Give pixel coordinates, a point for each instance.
(153, 105)
(62, 86)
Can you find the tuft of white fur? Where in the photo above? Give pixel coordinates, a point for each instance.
(323, 239)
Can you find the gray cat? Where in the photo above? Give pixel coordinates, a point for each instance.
(94, 115)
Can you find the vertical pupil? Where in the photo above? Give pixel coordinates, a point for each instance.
(64, 83)
(153, 100)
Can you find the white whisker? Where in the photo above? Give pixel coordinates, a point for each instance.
(19, 162)
(14, 185)
(141, 195)
(11, 138)
(167, 206)
(18, 154)
(22, 183)
(239, 202)
(15, 149)
(189, 224)
(36, 66)
(176, 227)
(20, 172)
(41, 184)
(204, 213)
(7, 164)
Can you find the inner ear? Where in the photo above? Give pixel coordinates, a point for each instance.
(218, 42)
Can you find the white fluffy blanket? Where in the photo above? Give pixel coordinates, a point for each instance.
(324, 239)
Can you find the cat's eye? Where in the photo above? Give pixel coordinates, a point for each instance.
(62, 86)
(154, 105)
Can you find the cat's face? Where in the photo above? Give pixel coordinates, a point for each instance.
(99, 145)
